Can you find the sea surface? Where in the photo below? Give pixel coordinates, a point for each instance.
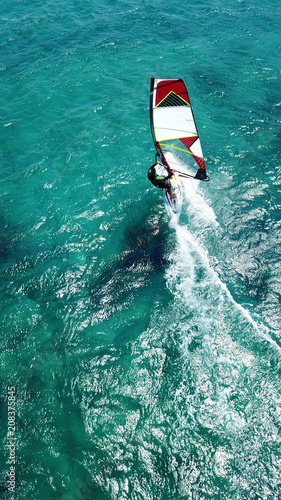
(140, 353)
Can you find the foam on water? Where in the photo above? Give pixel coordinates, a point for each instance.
(191, 250)
(218, 338)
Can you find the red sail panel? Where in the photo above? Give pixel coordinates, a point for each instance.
(166, 86)
(188, 141)
(200, 161)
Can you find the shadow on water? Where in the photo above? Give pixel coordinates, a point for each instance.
(10, 239)
(142, 260)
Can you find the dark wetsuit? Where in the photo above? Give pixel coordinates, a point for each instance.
(161, 181)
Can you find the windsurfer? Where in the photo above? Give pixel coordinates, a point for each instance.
(160, 176)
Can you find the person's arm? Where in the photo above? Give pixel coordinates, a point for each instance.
(170, 174)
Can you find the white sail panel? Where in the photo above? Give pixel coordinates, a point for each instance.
(196, 148)
(173, 124)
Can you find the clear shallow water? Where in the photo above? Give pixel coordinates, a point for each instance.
(144, 352)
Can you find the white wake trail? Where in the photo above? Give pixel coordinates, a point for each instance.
(190, 251)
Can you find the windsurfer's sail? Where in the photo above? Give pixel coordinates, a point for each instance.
(173, 126)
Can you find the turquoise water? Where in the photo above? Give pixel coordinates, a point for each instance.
(144, 352)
